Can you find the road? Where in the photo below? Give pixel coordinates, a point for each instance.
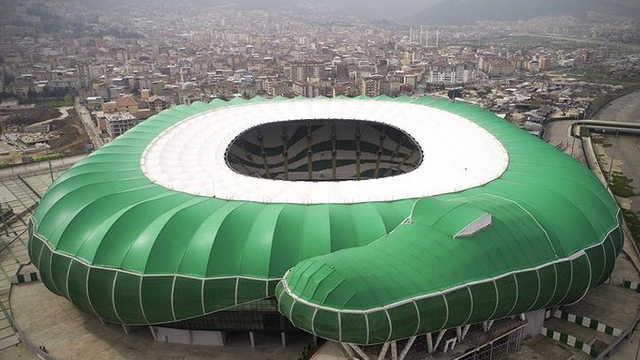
(38, 167)
(625, 108)
(626, 147)
(558, 134)
(89, 126)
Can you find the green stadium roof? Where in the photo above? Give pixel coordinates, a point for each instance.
(539, 233)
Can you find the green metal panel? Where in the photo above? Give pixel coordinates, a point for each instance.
(100, 289)
(219, 294)
(186, 293)
(485, 298)
(157, 299)
(548, 286)
(431, 314)
(379, 327)
(404, 320)
(128, 289)
(59, 269)
(564, 280)
(78, 286)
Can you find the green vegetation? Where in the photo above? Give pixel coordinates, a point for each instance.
(633, 223)
(597, 139)
(4, 164)
(48, 157)
(603, 75)
(584, 132)
(621, 185)
(67, 100)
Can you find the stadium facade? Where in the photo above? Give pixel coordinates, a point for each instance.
(362, 221)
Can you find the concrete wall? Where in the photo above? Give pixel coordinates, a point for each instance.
(187, 337)
(535, 321)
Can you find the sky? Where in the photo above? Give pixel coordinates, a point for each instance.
(441, 12)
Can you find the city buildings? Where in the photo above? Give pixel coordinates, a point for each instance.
(118, 123)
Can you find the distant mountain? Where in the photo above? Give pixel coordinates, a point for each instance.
(365, 9)
(469, 11)
(429, 12)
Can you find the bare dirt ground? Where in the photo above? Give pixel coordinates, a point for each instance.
(73, 138)
(29, 116)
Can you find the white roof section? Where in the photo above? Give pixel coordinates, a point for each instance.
(190, 156)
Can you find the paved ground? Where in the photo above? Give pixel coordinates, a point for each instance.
(626, 108)
(329, 351)
(557, 134)
(69, 334)
(18, 352)
(89, 126)
(542, 348)
(609, 304)
(13, 242)
(40, 167)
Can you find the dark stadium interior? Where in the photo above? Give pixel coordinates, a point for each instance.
(323, 150)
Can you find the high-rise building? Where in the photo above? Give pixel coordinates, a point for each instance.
(303, 70)
(118, 123)
(157, 88)
(545, 63)
(370, 86)
(306, 88)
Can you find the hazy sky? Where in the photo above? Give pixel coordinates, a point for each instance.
(425, 11)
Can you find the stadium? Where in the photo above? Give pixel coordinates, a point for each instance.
(368, 222)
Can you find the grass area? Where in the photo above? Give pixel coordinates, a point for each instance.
(55, 102)
(48, 157)
(633, 223)
(602, 75)
(621, 185)
(597, 139)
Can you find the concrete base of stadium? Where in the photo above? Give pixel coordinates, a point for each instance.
(53, 328)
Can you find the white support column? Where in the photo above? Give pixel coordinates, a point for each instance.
(429, 343)
(450, 344)
(394, 350)
(383, 351)
(486, 325)
(440, 336)
(126, 329)
(465, 330)
(349, 350)
(283, 338)
(153, 332)
(523, 317)
(360, 352)
(407, 347)
(252, 339)
(459, 333)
